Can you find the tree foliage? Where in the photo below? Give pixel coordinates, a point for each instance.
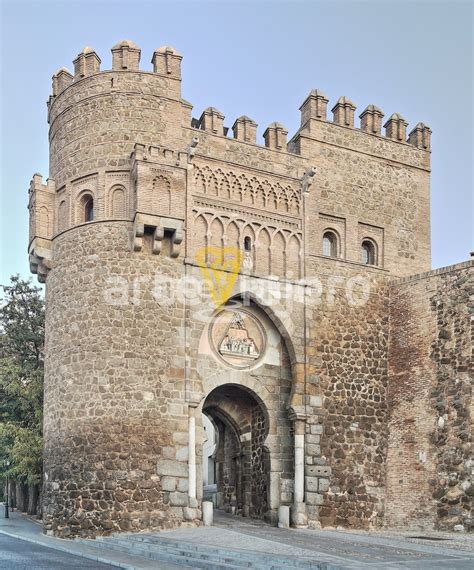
(21, 379)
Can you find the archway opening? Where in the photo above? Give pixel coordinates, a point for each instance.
(236, 462)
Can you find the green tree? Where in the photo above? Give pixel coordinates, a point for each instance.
(21, 388)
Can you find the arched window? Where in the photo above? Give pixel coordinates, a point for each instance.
(88, 208)
(330, 244)
(368, 253)
(247, 243)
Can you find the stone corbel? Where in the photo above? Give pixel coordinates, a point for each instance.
(138, 233)
(158, 236)
(176, 242)
(160, 227)
(40, 257)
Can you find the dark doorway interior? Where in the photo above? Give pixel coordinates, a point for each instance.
(239, 462)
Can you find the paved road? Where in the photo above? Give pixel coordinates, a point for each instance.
(18, 554)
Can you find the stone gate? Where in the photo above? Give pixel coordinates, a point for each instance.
(267, 286)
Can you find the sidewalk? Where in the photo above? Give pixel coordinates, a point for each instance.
(246, 542)
(25, 528)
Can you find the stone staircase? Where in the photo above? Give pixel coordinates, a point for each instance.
(154, 547)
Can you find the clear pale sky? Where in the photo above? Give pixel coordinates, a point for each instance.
(260, 59)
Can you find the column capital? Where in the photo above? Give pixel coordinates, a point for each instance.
(296, 415)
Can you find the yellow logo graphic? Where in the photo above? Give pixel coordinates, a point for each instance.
(220, 268)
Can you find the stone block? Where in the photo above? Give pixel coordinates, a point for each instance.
(314, 499)
(310, 438)
(178, 499)
(315, 401)
(283, 516)
(190, 514)
(181, 437)
(168, 452)
(168, 483)
(318, 470)
(311, 484)
(313, 450)
(172, 468)
(182, 453)
(323, 484)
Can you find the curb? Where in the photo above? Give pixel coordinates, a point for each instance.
(69, 551)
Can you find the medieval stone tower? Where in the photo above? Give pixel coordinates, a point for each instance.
(278, 289)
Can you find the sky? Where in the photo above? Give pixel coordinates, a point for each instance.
(261, 59)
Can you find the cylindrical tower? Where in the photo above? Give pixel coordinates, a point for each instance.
(115, 425)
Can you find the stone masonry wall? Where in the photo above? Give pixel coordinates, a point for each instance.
(115, 423)
(347, 435)
(430, 371)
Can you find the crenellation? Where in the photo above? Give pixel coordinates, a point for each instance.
(86, 63)
(167, 64)
(420, 136)
(343, 112)
(314, 107)
(245, 129)
(396, 128)
(371, 120)
(61, 79)
(126, 56)
(167, 61)
(212, 121)
(275, 136)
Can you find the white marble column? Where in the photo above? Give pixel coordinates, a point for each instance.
(192, 453)
(298, 511)
(299, 468)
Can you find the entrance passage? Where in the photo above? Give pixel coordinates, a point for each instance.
(236, 462)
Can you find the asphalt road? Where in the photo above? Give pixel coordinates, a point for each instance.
(16, 554)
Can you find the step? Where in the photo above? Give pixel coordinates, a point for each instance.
(202, 555)
(242, 554)
(156, 555)
(183, 549)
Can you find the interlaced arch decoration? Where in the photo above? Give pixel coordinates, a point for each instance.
(247, 190)
(275, 250)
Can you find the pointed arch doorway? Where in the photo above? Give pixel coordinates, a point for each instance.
(236, 461)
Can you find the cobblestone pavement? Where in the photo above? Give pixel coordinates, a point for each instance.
(346, 549)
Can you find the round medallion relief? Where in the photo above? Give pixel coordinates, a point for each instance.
(237, 338)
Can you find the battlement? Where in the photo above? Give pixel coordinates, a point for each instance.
(126, 56)
(166, 63)
(314, 108)
(125, 146)
(36, 185)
